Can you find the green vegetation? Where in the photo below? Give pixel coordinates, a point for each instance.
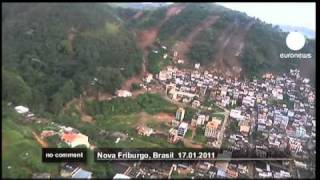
(156, 62)
(150, 18)
(63, 51)
(21, 154)
(150, 103)
(176, 175)
(286, 100)
(135, 86)
(121, 115)
(179, 26)
(233, 126)
(256, 57)
(15, 88)
(203, 49)
(261, 57)
(190, 112)
(219, 116)
(188, 134)
(257, 135)
(154, 103)
(199, 137)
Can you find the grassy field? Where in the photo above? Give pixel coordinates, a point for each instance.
(199, 137)
(127, 124)
(21, 154)
(122, 116)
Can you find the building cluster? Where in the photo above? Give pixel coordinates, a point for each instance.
(275, 113)
(191, 170)
(27, 116)
(179, 128)
(278, 109)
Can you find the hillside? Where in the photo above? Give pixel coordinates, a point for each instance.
(219, 38)
(55, 57)
(75, 46)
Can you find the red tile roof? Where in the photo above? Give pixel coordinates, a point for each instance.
(69, 137)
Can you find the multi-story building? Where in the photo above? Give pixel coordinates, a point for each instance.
(173, 136)
(212, 128)
(180, 114)
(182, 129)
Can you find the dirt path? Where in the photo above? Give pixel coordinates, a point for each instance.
(184, 47)
(42, 142)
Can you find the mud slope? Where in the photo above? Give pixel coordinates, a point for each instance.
(184, 47)
(229, 47)
(146, 38)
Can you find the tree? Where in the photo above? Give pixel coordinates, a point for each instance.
(68, 90)
(135, 86)
(56, 103)
(15, 89)
(109, 79)
(234, 127)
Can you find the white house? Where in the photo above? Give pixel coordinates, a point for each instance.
(183, 127)
(201, 119)
(123, 93)
(248, 100)
(197, 65)
(236, 114)
(21, 109)
(149, 78)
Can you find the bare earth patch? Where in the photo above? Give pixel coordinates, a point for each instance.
(229, 47)
(138, 15)
(42, 142)
(184, 47)
(160, 117)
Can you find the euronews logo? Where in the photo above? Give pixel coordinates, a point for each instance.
(295, 41)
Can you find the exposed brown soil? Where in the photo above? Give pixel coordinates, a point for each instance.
(163, 117)
(42, 142)
(79, 107)
(84, 116)
(188, 142)
(160, 117)
(184, 47)
(147, 37)
(137, 15)
(135, 79)
(229, 47)
(71, 36)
